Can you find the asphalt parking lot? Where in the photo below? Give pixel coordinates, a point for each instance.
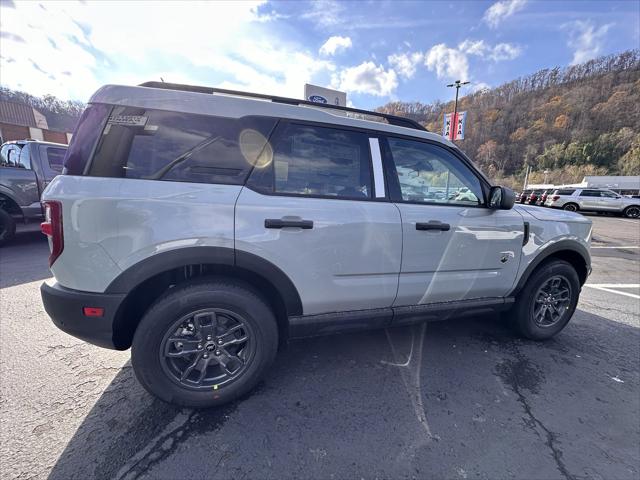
(458, 399)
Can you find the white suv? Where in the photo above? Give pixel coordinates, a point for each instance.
(204, 227)
(593, 200)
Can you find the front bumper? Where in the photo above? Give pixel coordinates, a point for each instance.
(65, 307)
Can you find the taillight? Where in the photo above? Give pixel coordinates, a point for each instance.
(52, 228)
(555, 197)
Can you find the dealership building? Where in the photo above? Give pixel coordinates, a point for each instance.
(19, 121)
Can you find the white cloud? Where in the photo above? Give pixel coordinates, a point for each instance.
(474, 47)
(585, 39)
(448, 62)
(325, 13)
(334, 45)
(497, 53)
(405, 63)
(366, 78)
(501, 10)
(505, 51)
(70, 49)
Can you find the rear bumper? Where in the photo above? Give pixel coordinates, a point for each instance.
(65, 307)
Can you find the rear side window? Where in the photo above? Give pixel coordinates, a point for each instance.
(55, 157)
(590, 193)
(181, 147)
(565, 192)
(10, 155)
(84, 138)
(317, 161)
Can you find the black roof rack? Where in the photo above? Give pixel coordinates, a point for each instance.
(391, 119)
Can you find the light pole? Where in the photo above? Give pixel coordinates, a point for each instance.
(456, 84)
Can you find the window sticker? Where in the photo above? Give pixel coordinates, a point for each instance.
(128, 120)
(282, 171)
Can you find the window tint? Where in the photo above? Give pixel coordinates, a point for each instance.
(55, 156)
(565, 192)
(181, 147)
(4, 155)
(318, 161)
(590, 193)
(84, 138)
(24, 160)
(11, 155)
(430, 174)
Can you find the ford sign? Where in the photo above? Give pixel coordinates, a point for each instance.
(317, 99)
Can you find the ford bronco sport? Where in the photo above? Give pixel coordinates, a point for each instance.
(203, 227)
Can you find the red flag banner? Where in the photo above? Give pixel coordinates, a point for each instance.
(453, 127)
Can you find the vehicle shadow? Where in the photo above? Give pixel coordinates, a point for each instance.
(391, 403)
(17, 265)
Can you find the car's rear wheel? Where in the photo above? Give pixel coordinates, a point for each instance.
(632, 212)
(7, 227)
(205, 343)
(571, 207)
(548, 300)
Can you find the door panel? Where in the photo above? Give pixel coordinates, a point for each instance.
(477, 257)
(339, 246)
(349, 260)
(454, 248)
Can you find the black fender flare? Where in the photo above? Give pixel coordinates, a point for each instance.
(554, 250)
(228, 257)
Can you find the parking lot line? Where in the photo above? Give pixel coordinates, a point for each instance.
(618, 246)
(609, 287)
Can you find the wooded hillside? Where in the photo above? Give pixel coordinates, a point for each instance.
(62, 115)
(576, 121)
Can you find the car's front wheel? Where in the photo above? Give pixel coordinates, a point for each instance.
(205, 343)
(548, 300)
(632, 212)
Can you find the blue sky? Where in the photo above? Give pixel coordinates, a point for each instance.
(376, 51)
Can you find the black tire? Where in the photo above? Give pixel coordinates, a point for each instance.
(155, 370)
(7, 227)
(632, 211)
(571, 207)
(523, 313)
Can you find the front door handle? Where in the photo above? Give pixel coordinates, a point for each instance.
(433, 225)
(280, 223)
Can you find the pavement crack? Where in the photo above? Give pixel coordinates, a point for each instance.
(522, 375)
(158, 448)
(550, 437)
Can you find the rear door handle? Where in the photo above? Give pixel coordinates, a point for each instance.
(433, 225)
(280, 223)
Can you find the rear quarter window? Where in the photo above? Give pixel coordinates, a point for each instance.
(55, 157)
(174, 146)
(565, 192)
(84, 138)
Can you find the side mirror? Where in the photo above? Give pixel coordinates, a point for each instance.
(501, 198)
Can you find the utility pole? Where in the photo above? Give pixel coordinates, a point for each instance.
(456, 84)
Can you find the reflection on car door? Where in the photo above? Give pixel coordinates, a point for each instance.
(312, 211)
(609, 201)
(454, 248)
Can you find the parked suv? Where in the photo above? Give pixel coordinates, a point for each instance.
(26, 167)
(203, 228)
(594, 200)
